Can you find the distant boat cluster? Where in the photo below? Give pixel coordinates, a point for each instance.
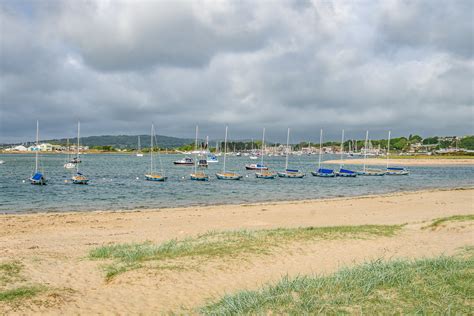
(202, 158)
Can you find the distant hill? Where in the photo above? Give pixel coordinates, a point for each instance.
(125, 141)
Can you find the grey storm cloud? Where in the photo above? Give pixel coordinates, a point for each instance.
(118, 65)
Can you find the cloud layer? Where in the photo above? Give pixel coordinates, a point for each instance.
(118, 65)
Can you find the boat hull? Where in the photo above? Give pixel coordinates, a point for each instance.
(156, 178)
(69, 165)
(265, 175)
(323, 175)
(250, 167)
(79, 179)
(228, 176)
(195, 177)
(294, 175)
(347, 175)
(397, 173)
(179, 163)
(371, 173)
(38, 182)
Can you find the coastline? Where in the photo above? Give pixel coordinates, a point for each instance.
(53, 248)
(405, 162)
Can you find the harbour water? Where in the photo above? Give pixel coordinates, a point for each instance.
(114, 184)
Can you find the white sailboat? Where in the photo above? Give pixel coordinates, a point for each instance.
(79, 178)
(289, 173)
(345, 172)
(153, 176)
(322, 172)
(264, 173)
(69, 164)
(225, 175)
(38, 177)
(394, 171)
(198, 175)
(139, 150)
(366, 171)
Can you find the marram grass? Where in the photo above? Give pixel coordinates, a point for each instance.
(22, 292)
(231, 243)
(440, 286)
(455, 218)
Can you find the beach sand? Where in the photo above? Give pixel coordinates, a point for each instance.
(405, 162)
(53, 248)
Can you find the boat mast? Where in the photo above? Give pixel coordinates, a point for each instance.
(263, 142)
(225, 149)
(342, 148)
(37, 146)
(151, 149)
(139, 147)
(287, 144)
(365, 147)
(320, 148)
(78, 136)
(388, 147)
(195, 149)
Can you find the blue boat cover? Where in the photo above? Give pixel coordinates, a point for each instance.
(292, 170)
(325, 171)
(37, 176)
(395, 168)
(346, 171)
(79, 174)
(260, 166)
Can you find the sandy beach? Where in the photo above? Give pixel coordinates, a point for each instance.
(53, 249)
(405, 162)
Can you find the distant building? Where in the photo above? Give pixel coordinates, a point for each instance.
(19, 148)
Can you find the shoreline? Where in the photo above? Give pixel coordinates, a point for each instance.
(251, 204)
(53, 249)
(405, 161)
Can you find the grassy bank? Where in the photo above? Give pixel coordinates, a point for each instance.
(225, 244)
(443, 285)
(455, 218)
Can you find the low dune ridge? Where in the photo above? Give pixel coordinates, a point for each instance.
(53, 250)
(405, 161)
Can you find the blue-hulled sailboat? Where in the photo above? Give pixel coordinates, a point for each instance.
(38, 177)
(224, 175)
(394, 171)
(263, 172)
(154, 176)
(289, 173)
(366, 171)
(344, 172)
(198, 175)
(79, 178)
(322, 172)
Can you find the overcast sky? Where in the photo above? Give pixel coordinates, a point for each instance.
(118, 65)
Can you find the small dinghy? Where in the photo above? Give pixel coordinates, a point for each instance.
(289, 173)
(153, 176)
(186, 161)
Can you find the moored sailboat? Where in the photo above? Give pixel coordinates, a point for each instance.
(225, 175)
(154, 176)
(344, 172)
(289, 173)
(322, 172)
(38, 177)
(79, 178)
(263, 172)
(198, 175)
(366, 171)
(394, 171)
(139, 150)
(69, 164)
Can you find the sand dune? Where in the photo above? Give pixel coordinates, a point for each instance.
(405, 162)
(53, 248)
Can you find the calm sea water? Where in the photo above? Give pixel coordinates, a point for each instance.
(114, 184)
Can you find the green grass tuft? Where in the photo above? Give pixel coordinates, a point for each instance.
(455, 218)
(231, 243)
(9, 272)
(20, 293)
(443, 285)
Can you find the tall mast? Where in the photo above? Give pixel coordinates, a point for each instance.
(287, 144)
(225, 148)
(195, 149)
(37, 146)
(139, 149)
(388, 146)
(263, 142)
(342, 148)
(151, 149)
(365, 147)
(320, 148)
(78, 137)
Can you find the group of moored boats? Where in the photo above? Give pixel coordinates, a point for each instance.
(199, 162)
